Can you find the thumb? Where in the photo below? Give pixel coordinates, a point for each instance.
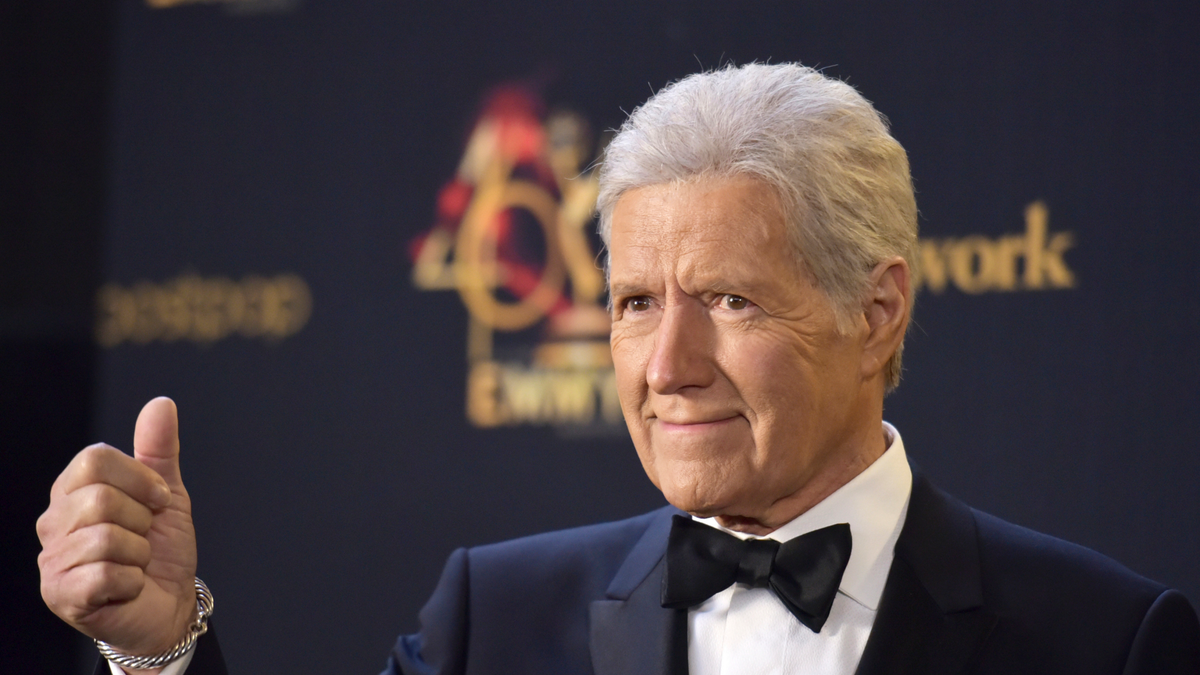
(156, 440)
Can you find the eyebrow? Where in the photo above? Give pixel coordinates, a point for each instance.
(623, 289)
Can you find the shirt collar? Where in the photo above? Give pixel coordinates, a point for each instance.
(874, 503)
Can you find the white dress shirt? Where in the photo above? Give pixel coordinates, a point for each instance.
(749, 631)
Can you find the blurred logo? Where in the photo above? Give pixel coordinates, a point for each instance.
(515, 239)
(1031, 261)
(202, 310)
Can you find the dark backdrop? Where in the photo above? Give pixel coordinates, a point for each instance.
(53, 98)
(1051, 379)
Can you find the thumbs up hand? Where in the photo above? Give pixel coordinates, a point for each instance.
(118, 546)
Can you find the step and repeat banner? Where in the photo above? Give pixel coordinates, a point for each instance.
(354, 241)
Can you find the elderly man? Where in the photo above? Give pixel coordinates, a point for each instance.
(761, 230)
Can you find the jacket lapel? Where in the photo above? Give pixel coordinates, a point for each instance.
(631, 633)
(931, 618)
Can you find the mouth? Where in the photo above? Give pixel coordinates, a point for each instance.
(693, 426)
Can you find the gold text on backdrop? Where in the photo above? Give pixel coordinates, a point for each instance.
(974, 264)
(202, 310)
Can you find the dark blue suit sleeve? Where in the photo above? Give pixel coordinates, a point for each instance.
(441, 646)
(1168, 640)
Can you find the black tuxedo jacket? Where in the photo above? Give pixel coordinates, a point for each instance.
(967, 593)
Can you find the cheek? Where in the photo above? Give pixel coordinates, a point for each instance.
(777, 387)
(764, 372)
(631, 386)
(630, 366)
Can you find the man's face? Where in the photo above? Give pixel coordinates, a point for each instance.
(739, 392)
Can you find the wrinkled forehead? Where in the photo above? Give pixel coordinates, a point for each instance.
(705, 223)
(678, 211)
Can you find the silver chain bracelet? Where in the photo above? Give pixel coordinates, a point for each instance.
(204, 604)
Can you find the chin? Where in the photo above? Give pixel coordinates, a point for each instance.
(701, 484)
(697, 500)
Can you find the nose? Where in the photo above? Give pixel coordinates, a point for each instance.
(682, 349)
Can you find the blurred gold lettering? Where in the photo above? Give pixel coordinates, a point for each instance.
(976, 264)
(526, 394)
(512, 393)
(483, 395)
(202, 310)
(1044, 264)
(972, 263)
(573, 396)
(933, 266)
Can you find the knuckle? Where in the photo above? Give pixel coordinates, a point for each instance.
(92, 581)
(87, 459)
(94, 542)
(93, 584)
(44, 562)
(102, 582)
(44, 530)
(110, 543)
(93, 458)
(100, 499)
(51, 563)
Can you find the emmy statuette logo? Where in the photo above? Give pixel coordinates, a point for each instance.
(515, 239)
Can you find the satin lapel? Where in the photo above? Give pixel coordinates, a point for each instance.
(631, 633)
(931, 618)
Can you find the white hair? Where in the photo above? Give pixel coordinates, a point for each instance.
(843, 181)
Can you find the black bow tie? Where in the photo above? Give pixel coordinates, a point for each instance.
(804, 572)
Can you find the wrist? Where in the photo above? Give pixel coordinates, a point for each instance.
(154, 663)
(176, 668)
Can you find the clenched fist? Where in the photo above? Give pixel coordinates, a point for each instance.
(118, 547)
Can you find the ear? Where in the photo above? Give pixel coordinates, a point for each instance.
(886, 309)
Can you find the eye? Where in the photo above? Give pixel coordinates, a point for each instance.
(638, 303)
(735, 302)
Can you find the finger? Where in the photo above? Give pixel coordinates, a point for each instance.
(104, 464)
(156, 439)
(102, 503)
(86, 588)
(104, 542)
(90, 505)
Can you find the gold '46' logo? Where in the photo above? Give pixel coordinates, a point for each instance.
(514, 238)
